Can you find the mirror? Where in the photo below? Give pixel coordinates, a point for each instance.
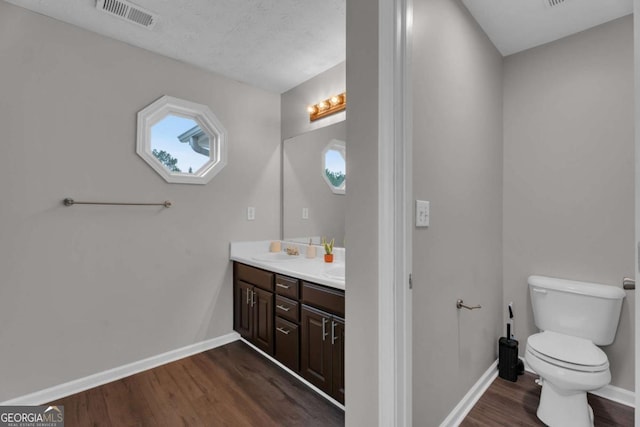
(183, 141)
(314, 183)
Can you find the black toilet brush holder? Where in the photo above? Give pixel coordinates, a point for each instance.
(509, 365)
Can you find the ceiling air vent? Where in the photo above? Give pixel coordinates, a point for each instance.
(128, 11)
(552, 3)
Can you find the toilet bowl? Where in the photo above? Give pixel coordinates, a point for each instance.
(575, 318)
(569, 368)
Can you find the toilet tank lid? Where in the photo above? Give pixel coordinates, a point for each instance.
(575, 287)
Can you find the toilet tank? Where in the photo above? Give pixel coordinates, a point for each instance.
(581, 309)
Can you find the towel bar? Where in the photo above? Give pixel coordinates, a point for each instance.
(70, 202)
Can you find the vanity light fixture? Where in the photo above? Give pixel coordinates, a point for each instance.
(329, 106)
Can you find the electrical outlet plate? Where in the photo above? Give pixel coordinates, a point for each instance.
(305, 213)
(251, 213)
(422, 213)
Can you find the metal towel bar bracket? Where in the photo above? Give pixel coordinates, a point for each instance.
(460, 304)
(70, 202)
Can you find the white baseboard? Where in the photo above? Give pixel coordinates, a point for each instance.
(463, 407)
(610, 392)
(100, 378)
(296, 375)
(617, 394)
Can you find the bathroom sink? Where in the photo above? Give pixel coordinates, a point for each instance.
(336, 272)
(275, 257)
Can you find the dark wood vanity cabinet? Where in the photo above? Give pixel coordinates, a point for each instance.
(253, 306)
(287, 311)
(322, 342)
(301, 324)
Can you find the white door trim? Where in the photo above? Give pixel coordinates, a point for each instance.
(394, 209)
(636, 71)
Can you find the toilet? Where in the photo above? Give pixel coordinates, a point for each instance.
(574, 319)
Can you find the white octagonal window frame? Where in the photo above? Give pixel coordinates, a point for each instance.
(340, 147)
(204, 117)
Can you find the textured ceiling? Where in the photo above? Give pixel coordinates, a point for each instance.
(271, 44)
(516, 25)
(278, 44)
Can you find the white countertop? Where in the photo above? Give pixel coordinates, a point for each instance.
(313, 270)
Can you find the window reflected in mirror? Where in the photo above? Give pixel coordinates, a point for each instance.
(334, 166)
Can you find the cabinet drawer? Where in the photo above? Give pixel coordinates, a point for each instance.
(331, 300)
(287, 309)
(255, 276)
(288, 344)
(287, 286)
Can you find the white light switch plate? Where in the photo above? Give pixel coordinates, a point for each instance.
(422, 213)
(251, 213)
(305, 213)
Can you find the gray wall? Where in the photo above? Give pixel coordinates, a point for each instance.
(569, 172)
(85, 289)
(361, 348)
(295, 118)
(457, 166)
(304, 187)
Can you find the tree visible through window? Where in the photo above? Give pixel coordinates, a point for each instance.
(335, 177)
(167, 160)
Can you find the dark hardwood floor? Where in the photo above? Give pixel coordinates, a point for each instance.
(515, 404)
(234, 386)
(229, 386)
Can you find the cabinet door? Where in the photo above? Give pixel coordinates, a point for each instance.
(263, 320)
(316, 348)
(288, 344)
(337, 340)
(243, 312)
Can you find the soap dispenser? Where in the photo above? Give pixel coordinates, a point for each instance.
(311, 250)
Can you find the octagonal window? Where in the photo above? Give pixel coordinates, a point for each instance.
(334, 166)
(184, 142)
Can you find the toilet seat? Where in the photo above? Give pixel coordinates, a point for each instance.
(568, 352)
